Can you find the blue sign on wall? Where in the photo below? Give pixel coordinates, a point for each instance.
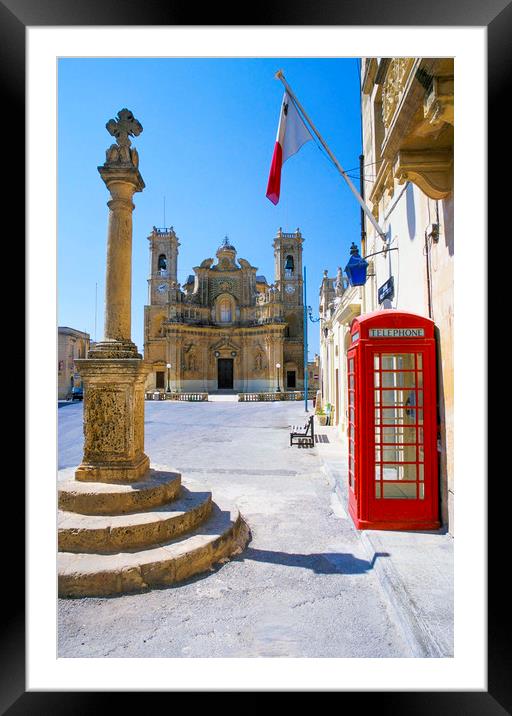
(387, 290)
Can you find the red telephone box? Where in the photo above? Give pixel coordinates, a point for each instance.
(392, 422)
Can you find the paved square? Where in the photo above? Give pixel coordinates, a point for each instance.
(302, 588)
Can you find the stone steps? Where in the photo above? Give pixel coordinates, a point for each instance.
(222, 535)
(102, 498)
(104, 534)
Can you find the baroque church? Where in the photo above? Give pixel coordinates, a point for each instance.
(226, 328)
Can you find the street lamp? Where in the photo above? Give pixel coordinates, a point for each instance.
(169, 377)
(278, 365)
(356, 267)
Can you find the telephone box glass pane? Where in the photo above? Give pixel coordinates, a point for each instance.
(397, 397)
(399, 379)
(391, 435)
(398, 361)
(399, 491)
(398, 435)
(399, 416)
(398, 472)
(398, 410)
(394, 416)
(398, 453)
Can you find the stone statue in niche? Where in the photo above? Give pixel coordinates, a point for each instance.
(340, 283)
(190, 362)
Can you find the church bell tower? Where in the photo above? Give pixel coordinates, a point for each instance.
(288, 269)
(289, 288)
(163, 247)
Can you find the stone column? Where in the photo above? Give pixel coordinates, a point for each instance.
(114, 373)
(122, 183)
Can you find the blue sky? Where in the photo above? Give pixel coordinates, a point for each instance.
(209, 132)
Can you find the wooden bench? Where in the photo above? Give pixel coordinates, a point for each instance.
(304, 435)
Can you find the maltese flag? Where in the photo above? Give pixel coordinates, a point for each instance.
(292, 133)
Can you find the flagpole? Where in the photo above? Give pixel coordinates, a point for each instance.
(364, 207)
(305, 346)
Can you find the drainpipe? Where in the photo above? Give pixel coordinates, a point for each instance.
(429, 288)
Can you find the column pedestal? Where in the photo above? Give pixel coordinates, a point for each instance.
(113, 420)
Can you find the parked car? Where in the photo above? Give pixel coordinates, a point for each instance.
(77, 393)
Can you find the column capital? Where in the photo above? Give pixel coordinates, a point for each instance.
(117, 176)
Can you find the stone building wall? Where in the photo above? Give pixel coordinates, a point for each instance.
(72, 344)
(407, 128)
(408, 137)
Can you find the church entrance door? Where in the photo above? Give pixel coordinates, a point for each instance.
(225, 373)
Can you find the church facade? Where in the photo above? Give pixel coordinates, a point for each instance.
(226, 328)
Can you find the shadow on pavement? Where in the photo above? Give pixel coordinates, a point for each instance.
(322, 563)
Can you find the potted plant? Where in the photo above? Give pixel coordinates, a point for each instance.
(321, 416)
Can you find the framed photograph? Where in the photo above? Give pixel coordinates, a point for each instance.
(34, 39)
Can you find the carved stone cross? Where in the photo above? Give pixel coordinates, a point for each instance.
(124, 125)
(122, 128)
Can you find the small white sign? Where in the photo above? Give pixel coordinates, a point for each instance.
(397, 332)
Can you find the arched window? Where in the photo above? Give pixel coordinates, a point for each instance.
(288, 266)
(225, 310)
(162, 263)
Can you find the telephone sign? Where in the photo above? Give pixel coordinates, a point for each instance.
(396, 332)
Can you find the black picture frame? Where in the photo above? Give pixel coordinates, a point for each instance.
(15, 17)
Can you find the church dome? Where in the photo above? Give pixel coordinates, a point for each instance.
(226, 246)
